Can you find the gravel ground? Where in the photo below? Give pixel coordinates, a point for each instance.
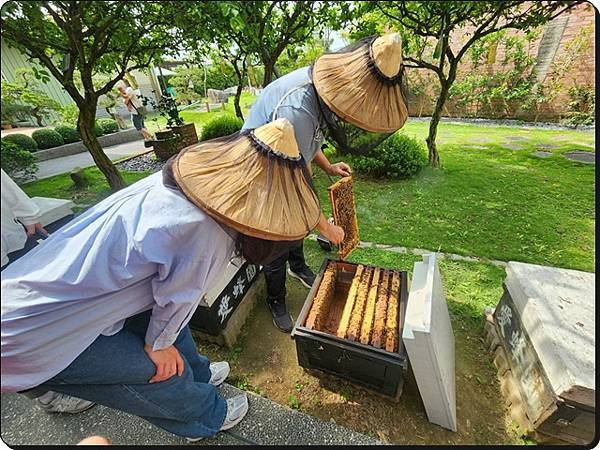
(142, 163)
(267, 423)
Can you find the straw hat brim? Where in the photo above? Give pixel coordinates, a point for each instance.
(248, 188)
(353, 88)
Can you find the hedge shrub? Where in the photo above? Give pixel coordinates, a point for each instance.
(68, 133)
(99, 130)
(19, 164)
(108, 125)
(22, 140)
(221, 126)
(47, 138)
(399, 156)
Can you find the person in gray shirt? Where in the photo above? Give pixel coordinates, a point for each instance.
(356, 98)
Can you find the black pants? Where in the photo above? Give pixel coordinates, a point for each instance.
(276, 271)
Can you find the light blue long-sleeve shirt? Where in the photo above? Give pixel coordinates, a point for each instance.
(144, 247)
(292, 96)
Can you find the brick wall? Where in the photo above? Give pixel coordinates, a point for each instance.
(559, 33)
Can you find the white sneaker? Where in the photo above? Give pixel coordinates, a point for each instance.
(54, 402)
(237, 407)
(218, 372)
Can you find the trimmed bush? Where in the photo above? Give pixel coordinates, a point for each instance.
(108, 125)
(19, 164)
(221, 126)
(399, 156)
(68, 133)
(22, 140)
(98, 129)
(47, 138)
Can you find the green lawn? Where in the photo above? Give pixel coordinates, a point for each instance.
(492, 198)
(155, 122)
(61, 186)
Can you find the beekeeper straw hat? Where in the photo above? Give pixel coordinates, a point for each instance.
(252, 181)
(364, 85)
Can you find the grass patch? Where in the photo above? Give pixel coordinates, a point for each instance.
(155, 122)
(490, 199)
(469, 287)
(61, 186)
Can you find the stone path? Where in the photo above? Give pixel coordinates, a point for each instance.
(65, 164)
(420, 251)
(267, 423)
(582, 157)
(21, 130)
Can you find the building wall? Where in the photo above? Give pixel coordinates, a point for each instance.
(12, 59)
(550, 46)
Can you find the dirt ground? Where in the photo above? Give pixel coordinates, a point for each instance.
(264, 361)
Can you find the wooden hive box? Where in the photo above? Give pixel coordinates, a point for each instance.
(351, 325)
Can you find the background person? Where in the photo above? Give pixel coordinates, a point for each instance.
(353, 96)
(135, 107)
(20, 232)
(20, 221)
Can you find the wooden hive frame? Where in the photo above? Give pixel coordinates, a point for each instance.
(344, 214)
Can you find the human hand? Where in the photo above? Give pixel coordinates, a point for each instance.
(168, 362)
(34, 228)
(342, 169)
(333, 233)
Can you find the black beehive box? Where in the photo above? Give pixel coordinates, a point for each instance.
(358, 360)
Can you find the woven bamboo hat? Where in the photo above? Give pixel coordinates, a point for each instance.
(362, 85)
(255, 182)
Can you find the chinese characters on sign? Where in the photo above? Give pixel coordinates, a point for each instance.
(224, 308)
(516, 346)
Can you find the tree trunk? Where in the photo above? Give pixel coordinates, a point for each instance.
(434, 157)
(268, 77)
(38, 117)
(117, 118)
(85, 123)
(236, 101)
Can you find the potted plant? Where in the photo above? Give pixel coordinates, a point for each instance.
(185, 132)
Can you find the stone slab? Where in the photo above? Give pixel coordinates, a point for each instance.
(120, 137)
(557, 310)
(582, 157)
(267, 423)
(542, 154)
(53, 209)
(429, 342)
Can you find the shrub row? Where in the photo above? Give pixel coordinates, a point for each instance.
(61, 134)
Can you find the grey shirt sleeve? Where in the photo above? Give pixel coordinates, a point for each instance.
(306, 129)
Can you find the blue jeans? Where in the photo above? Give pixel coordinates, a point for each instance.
(114, 371)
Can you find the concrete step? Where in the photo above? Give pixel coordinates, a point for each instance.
(267, 423)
